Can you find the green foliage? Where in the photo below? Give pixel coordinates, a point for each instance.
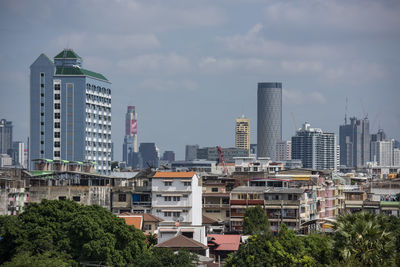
(255, 221)
(167, 258)
(86, 233)
(364, 238)
(151, 240)
(47, 259)
(319, 247)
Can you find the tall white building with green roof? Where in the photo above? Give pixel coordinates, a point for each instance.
(70, 111)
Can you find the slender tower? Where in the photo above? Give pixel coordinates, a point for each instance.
(269, 118)
(130, 140)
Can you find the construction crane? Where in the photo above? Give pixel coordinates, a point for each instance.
(222, 159)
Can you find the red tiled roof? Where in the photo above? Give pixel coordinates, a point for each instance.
(147, 217)
(226, 242)
(174, 174)
(181, 241)
(135, 220)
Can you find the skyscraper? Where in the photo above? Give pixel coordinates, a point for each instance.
(130, 140)
(242, 133)
(316, 149)
(284, 150)
(269, 118)
(382, 152)
(70, 111)
(191, 152)
(354, 141)
(18, 153)
(5, 136)
(149, 153)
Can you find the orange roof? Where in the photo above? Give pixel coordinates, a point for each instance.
(147, 217)
(226, 242)
(174, 174)
(135, 220)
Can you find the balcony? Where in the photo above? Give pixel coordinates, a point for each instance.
(247, 202)
(142, 203)
(222, 206)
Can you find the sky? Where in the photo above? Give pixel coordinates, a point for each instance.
(192, 67)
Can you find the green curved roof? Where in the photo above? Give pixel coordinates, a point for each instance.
(67, 53)
(76, 71)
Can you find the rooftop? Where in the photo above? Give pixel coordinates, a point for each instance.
(77, 71)
(226, 242)
(181, 241)
(67, 53)
(135, 220)
(174, 174)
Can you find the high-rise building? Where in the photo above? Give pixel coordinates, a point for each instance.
(284, 150)
(169, 156)
(269, 118)
(5, 136)
(253, 149)
(396, 157)
(130, 140)
(316, 149)
(211, 153)
(18, 153)
(149, 154)
(379, 136)
(242, 133)
(70, 111)
(191, 152)
(354, 141)
(382, 152)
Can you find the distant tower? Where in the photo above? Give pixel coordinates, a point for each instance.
(130, 140)
(5, 136)
(269, 118)
(242, 133)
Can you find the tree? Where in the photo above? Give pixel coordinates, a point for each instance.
(167, 258)
(318, 246)
(364, 238)
(255, 221)
(83, 233)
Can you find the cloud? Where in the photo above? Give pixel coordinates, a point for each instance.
(297, 97)
(356, 72)
(169, 85)
(366, 16)
(170, 64)
(301, 66)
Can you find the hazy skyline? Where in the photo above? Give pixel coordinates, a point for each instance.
(192, 67)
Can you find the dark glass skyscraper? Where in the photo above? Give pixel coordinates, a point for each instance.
(5, 136)
(269, 118)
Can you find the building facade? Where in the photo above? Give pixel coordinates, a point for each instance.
(211, 153)
(18, 154)
(5, 136)
(382, 152)
(354, 141)
(191, 152)
(149, 154)
(70, 111)
(284, 150)
(269, 118)
(316, 150)
(242, 133)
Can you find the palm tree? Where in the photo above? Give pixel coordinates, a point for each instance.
(363, 238)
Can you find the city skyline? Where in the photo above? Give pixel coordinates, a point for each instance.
(184, 65)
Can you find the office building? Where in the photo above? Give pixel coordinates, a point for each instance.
(5, 136)
(269, 118)
(284, 150)
(211, 153)
(191, 152)
(253, 149)
(242, 133)
(5, 160)
(354, 141)
(316, 149)
(379, 136)
(382, 152)
(396, 157)
(149, 155)
(169, 156)
(130, 145)
(70, 111)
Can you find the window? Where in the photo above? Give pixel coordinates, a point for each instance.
(56, 144)
(185, 195)
(56, 125)
(158, 195)
(147, 227)
(42, 123)
(176, 214)
(57, 87)
(122, 197)
(41, 152)
(57, 135)
(62, 198)
(42, 104)
(187, 183)
(167, 214)
(57, 106)
(76, 198)
(41, 133)
(167, 198)
(42, 85)
(176, 198)
(42, 95)
(42, 142)
(41, 74)
(214, 189)
(56, 153)
(227, 213)
(167, 183)
(57, 96)
(57, 115)
(42, 114)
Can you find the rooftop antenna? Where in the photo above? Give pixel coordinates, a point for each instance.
(345, 112)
